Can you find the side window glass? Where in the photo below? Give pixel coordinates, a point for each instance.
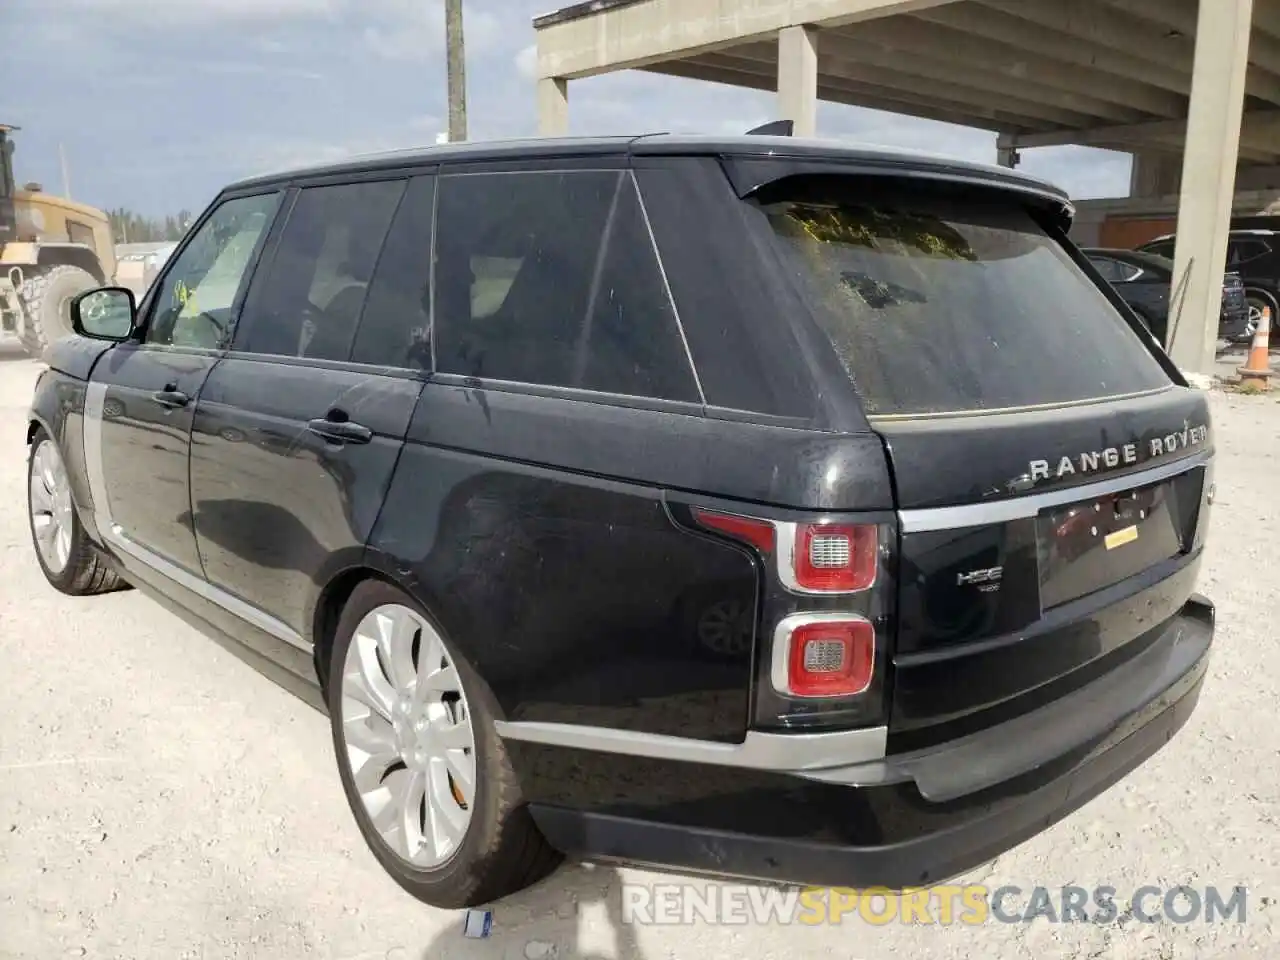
(395, 328)
(551, 278)
(308, 300)
(192, 306)
(1106, 267)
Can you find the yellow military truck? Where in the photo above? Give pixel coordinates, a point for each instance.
(50, 250)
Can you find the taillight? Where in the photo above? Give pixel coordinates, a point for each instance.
(758, 533)
(823, 655)
(830, 557)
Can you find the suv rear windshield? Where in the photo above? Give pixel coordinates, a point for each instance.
(939, 304)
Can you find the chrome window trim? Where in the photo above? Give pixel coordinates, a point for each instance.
(779, 655)
(115, 536)
(781, 752)
(1021, 508)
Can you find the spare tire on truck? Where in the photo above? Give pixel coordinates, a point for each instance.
(46, 300)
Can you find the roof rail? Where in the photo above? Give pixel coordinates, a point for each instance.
(778, 128)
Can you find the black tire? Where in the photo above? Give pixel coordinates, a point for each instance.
(46, 299)
(1261, 298)
(503, 851)
(87, 571)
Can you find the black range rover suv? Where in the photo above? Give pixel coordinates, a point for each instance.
(755, 506)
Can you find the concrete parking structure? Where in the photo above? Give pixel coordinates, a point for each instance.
(1191, 87)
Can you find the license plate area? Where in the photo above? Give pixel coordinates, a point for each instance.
(1091, 544)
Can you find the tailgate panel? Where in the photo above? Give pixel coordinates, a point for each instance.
(1014, 592)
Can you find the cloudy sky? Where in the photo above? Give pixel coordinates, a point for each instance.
(157, 103)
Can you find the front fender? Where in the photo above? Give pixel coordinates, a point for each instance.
(75, 356)
(57, 406)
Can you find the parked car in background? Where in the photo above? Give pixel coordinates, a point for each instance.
(153, 261)
(1255, 255)
(1145, 281)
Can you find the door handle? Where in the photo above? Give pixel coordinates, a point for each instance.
(340, 431)
(170, 397)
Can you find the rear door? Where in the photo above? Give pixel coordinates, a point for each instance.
(293, 444)
(1049, 474)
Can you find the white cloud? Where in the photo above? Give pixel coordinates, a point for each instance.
(247, 68)
(414, 29)
(206, 10)
(527, 61)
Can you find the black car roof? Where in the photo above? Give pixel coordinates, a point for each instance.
(746, 146)
(1131, 256)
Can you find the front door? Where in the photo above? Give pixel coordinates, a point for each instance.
(140, 403)
(293, 444)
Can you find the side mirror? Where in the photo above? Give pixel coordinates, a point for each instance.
(108, 313)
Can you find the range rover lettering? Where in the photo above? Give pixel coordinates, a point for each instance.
(751, 506)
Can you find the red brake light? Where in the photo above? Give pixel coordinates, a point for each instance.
(758, 533)
(833, 558)
(823, 655)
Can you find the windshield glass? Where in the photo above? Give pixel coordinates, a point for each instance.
(937, 305)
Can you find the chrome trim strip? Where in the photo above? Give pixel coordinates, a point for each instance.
(95, 398)
(114, 535)
(780, 654)
(1019, 508)
(781, 752)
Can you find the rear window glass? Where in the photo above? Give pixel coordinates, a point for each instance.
(942, 305)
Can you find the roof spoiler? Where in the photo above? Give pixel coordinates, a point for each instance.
(778, 128)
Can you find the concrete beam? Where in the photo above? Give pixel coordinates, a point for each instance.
(798, 79)
(654, 30)
(719, 68)
(1264, 50)
(1266, 17)
(977, 91)
(1051, 46)
(1208, 179)
(1259, 131)
(912, 41)
(553, 106)
(1090, 22)
(968, 63)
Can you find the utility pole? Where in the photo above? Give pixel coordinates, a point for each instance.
(457, 67)
(66, 175)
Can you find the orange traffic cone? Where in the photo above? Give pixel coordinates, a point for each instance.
(1257, 368)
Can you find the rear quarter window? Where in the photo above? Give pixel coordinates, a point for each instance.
(938, 304)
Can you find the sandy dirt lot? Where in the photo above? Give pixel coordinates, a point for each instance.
(160, 799)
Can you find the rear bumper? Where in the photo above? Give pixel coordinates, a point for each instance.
(906, 820)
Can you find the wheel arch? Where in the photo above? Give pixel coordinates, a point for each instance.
(71, 256)
(1255, 289)
(333, 596)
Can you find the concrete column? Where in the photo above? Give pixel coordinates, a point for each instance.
(1008, 157)
(1155, 175)
(553, 106)
(798, 78)
(1208, 179)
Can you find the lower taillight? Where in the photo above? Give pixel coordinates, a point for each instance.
(823, 655)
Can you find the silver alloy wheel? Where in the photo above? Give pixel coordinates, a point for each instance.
(408, 734)
(49, 496)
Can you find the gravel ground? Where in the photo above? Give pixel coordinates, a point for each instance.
(160, 799)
